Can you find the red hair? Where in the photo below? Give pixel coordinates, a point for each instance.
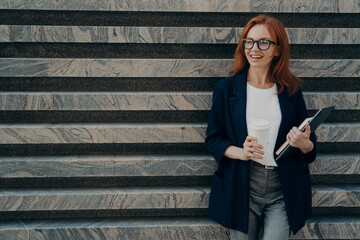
(279, 69)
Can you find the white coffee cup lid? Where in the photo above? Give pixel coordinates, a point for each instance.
(259, 124)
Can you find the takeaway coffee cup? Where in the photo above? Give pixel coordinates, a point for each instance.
(259, 128)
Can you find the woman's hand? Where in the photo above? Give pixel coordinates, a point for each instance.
(299, 139)
(249, 150)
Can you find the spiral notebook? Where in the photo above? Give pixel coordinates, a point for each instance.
(314, 122)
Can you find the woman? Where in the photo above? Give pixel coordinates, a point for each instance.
(247, 197)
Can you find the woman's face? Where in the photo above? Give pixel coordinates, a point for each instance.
(260, 58)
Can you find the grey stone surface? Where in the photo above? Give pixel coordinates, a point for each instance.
(127, 229)
(145, 198)
(337, 227)
(326, 68)
(12, 67)
(130, 166)
(140, 68)
(336, 196)
(339, 132)
(24, 67)
(100, 133)
(332, 197)
(103, 198)
(148, 101)
(346, 164)
(334, 227)
(198, 35)
(340, 100)
(141, 133)
(4, 33)
(130, 101)
(324, 35)
(105, 166)
(323, 6)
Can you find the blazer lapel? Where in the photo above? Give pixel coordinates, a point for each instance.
(238, 108)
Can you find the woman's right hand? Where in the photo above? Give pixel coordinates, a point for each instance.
(251, 149)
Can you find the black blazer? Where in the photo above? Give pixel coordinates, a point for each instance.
(229, 197)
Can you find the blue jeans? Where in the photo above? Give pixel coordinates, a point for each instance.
(267, 215)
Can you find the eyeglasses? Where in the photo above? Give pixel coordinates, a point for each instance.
(263, 44)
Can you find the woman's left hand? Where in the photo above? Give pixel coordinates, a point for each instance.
(299, 139)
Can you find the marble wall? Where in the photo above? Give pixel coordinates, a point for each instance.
(139, 133)
(184, 35)
(17, 67)
(317, 6)
(147, 166)
(148, 101)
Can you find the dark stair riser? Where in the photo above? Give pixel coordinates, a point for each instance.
(178, 19)
(170, 51)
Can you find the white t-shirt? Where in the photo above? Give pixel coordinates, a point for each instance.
(264, 104)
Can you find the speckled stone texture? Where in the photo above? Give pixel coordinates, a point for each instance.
(134, 78)
(12, 67)
(145, 198)
(341, 227)
(144, 229)
(102, 133)
(83, 166)
(112, 166)
(176, 228)
(204, 35)
(320, 6)
(106, 166)
(133, 101)
(104, 198)
(139, 133)
(348, 164)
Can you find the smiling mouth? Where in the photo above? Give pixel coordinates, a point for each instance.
(256, 57)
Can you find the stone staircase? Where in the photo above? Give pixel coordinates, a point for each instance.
(104, 105)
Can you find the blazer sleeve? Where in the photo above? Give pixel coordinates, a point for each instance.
(216, 139)
(301, 114)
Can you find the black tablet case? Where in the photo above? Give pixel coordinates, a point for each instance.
(314, 123)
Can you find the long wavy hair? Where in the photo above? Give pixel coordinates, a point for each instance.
(279, 69)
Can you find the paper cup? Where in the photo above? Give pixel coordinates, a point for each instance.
(259, 128)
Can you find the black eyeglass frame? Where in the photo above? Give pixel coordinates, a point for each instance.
(257, 42)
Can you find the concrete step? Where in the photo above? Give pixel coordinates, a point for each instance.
(163, 228)
(168, 35)
(33, 67)
(148, 101)
(108, 166)
(146, 198)
(322, 227)
(104, 198)
(330, 227)
(17, 167)
(257, 6)
(336, 164)
(140, 133)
